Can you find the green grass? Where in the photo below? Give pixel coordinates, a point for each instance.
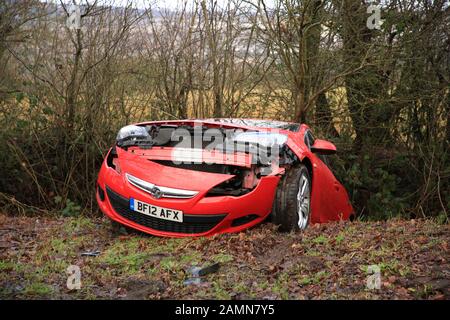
(222, 258)
(280, 286)
(339, 238)
(38, 289)
(313, 279)
(320, 239)
(6, 266)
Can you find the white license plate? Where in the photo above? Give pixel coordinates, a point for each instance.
(155, 211)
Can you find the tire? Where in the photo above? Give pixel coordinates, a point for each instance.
(289, 198)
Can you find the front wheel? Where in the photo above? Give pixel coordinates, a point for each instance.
(292, 204)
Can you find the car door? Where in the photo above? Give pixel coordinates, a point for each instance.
(341, 202)
(331, 197)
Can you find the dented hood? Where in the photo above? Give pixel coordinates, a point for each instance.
(142, 167)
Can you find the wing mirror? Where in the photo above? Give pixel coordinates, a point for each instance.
(323, 147)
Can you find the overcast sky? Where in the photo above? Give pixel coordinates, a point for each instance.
(171, 4)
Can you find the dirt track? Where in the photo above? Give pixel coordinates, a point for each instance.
(328, 261)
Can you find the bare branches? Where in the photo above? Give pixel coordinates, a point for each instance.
(381, 93)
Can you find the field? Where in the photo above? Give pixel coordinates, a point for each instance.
(327, 261)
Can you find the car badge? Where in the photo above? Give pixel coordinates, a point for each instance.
(156, 193)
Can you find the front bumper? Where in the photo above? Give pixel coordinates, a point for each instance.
(203, 216)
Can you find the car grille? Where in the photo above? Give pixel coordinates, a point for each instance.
(190, 224)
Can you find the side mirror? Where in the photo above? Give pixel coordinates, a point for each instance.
(323, 147)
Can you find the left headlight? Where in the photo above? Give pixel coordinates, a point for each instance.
(265, 139)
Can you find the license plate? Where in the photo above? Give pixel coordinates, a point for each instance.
(155, 211)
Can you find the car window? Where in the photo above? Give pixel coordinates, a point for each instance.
(309, 139)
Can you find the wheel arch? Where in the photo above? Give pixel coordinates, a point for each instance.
(308, 164)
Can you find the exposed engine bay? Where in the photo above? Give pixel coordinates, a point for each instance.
(267, 152)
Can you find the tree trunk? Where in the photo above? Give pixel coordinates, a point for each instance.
(72, 88)
(356, 38)
(324, 118)
(299, 105)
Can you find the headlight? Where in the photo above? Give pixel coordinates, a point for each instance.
(132, 132)
(265, 139)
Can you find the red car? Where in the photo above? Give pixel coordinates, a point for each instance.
(201, 177)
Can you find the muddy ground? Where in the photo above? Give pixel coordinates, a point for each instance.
(326, 262)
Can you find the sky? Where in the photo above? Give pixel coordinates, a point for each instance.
(170, 4)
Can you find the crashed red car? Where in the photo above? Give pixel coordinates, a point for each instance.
(202, 177)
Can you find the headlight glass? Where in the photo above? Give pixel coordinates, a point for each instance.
(265, 139)
(132, 132)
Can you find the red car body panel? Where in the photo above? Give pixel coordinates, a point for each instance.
(141, 166)
(240, 159)
(329, 200)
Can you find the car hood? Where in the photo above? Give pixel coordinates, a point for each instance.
(143, 168)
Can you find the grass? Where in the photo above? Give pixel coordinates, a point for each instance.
(38, 289)
(320, 239)
(280, 287)
(340, 238)
(222, 258)
(314, 279)
(259, 263)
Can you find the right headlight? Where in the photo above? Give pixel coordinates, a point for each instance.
(132, 132)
